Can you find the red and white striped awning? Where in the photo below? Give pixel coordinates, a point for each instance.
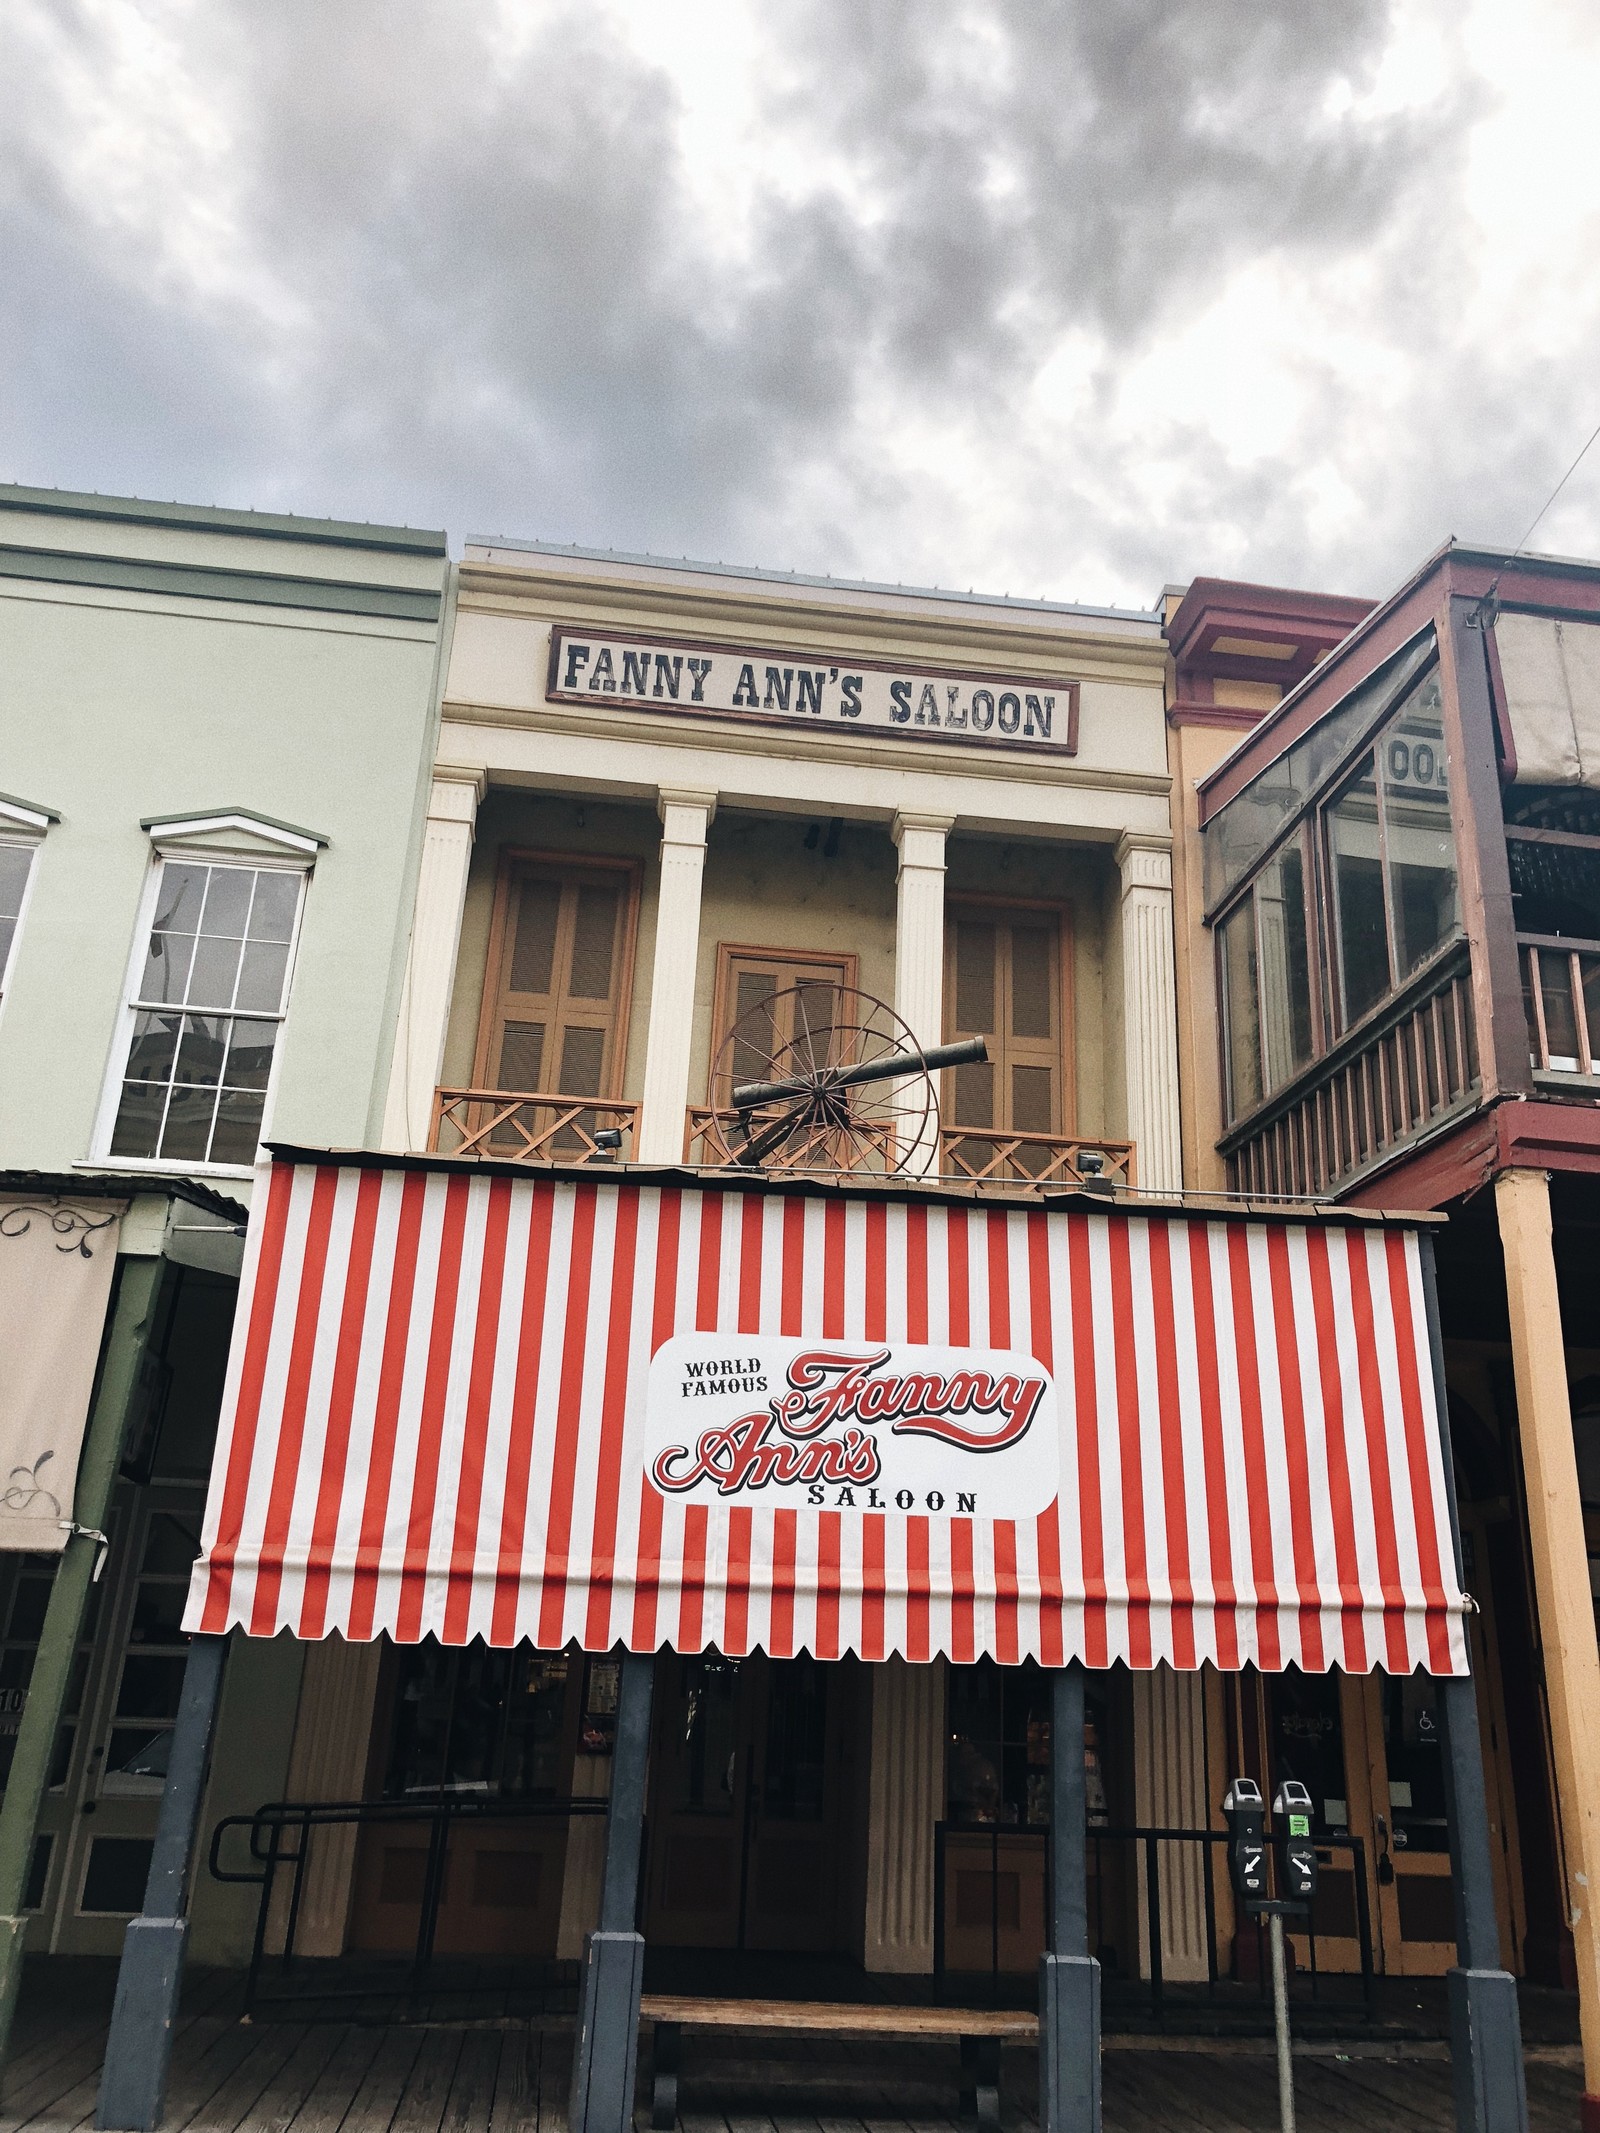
(624, 1408)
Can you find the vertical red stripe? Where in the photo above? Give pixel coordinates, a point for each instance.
(736, 1604)
(824, 1640)
(1374, 1422)
(239, 1431)
(875, 1324)
(1426, 1509)
(341, 1407)
(1169, 1423)
(1130, 1437)
(569, 1420)
(510, 1565)
(430, 1423)
(274, 1540)
(959, 1245)
(1003, 1531)
(1219, 1539)
(652, 1507)
(919, 1625)
(463, 1565)
(1091, 1501)
(386, 1408)
(1264, 1585)
(693, 1629)
(599, 1629)
(1052, 1624)
(1302, 1535)
(1341, 1506)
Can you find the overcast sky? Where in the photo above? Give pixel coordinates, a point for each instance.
(1060, 297)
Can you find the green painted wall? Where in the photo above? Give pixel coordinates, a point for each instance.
(118, 705)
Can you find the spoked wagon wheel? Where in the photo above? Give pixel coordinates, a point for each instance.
(822, 1077)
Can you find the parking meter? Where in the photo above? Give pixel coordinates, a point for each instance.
(1247, 1843)
(1297, 1854)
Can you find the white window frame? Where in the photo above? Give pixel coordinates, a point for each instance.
(21, 828)
(228, 838)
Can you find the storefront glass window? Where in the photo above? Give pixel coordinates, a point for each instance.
(1285, 964)
(471, 1720)
(998, 1758)
(1240, 1011)
(1355, 856)
(1418, 842)
(1413, 1750)
(1308, 1744)
(707, 1772)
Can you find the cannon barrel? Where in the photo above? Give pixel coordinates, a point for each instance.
(971, 1051)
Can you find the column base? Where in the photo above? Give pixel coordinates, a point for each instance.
(606, 2059)
(13, 1933)
(133, 2082)
(1069, 2044)
(1486, 2053)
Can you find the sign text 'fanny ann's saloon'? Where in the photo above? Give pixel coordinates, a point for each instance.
(793, 687)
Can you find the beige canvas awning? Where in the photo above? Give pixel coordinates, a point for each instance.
(1551, 670)
(56, 1261)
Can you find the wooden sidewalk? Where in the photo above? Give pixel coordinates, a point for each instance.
(345, 2077)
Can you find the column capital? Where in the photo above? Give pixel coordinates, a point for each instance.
(456, 792)
(1144, 860)
(674, 802)
(936, 825)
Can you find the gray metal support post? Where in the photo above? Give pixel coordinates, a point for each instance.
(133, 1319)
(1485, 2022)
(607, 2054)
(133, 2081)
(1069, 1976)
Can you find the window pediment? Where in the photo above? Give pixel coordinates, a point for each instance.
(234, 833)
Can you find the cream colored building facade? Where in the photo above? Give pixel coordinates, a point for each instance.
(958, 805)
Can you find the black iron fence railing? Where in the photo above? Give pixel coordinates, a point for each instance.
(989, 1924)
(281, 1838)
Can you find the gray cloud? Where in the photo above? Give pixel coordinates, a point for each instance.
(459, 277)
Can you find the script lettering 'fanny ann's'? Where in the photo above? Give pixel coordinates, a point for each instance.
(787, 688)
(852, 1427)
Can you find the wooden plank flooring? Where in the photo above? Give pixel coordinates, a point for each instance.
(339, 2076)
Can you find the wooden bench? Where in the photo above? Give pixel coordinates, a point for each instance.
(980, 2030)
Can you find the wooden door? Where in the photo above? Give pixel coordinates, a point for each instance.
(483, 1729)
(792, 1864)
(800, 992)
(699, 1787)
(747, 1786)
(559, 976)
(1005, 970)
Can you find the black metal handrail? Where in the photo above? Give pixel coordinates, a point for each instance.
(280, 1836)
(1148, 1839)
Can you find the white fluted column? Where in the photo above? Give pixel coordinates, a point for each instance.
(431, 958)
(328, 1761)
(1169, 1759)
(685, 819)
(1150, 1011)
(919, 942)
(906, 1798)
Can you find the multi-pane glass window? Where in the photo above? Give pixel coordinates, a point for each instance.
(207, 1006)
(151, 1681)
(997, 1763)
(1387, 890)
(15, 860)
(471, 1720)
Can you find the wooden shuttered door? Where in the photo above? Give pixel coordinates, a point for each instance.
(800, 992)
(560, 972)
(1004, 972)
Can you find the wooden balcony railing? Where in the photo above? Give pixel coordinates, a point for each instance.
(1561, 991)
(537, 1128)
(1034, 1158)
(1389, 1083)
(711, 1132)
(981, 1157)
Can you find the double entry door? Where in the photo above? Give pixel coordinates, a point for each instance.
(750, 1767)
(1370, 1751)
